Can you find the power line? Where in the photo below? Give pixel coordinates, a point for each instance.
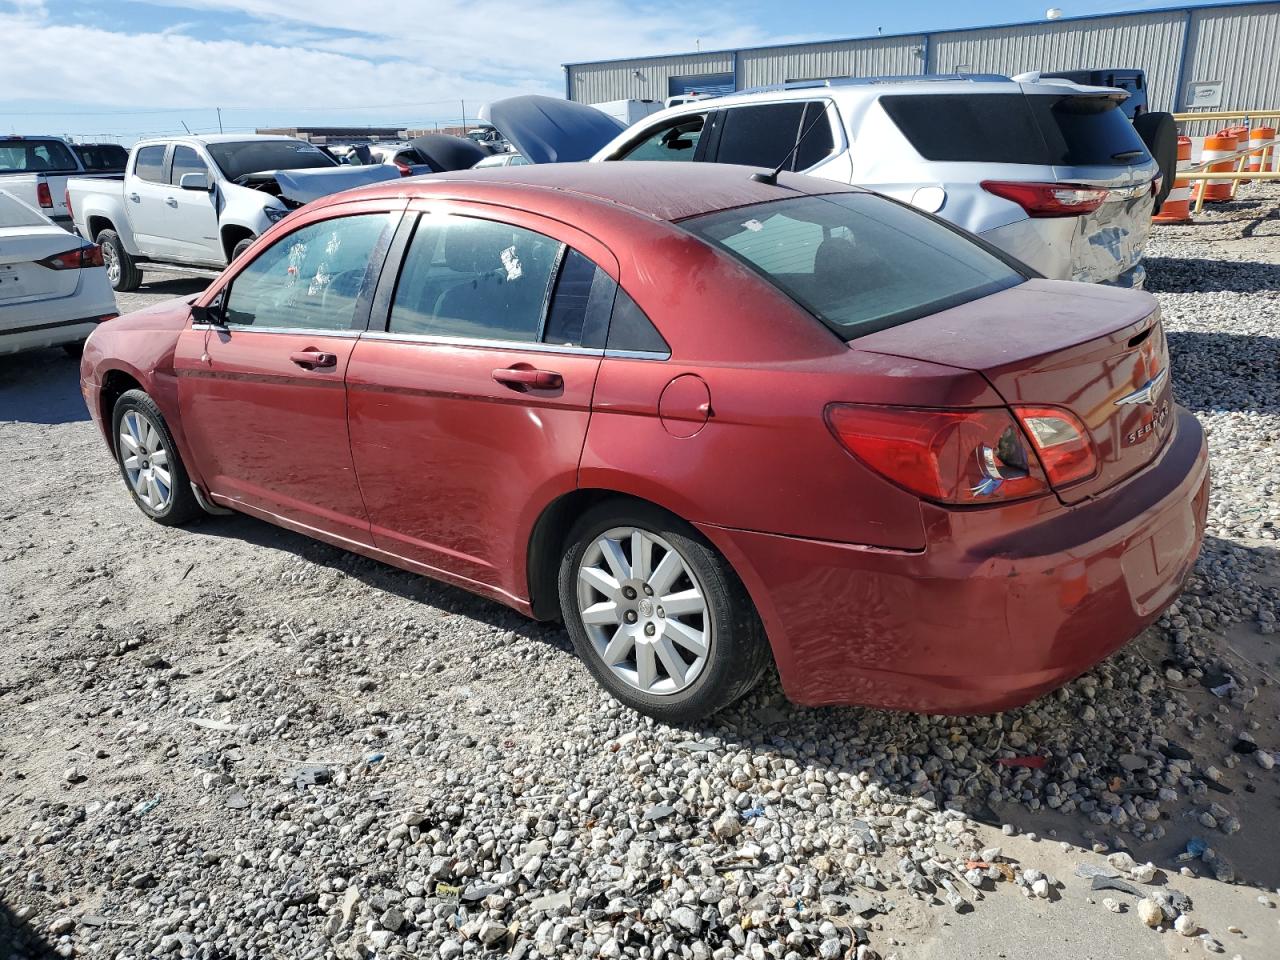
(140, 113)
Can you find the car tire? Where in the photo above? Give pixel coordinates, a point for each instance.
(140, 437)
(735, 649)
(1159, 132)
(241, 247)
(122, 273)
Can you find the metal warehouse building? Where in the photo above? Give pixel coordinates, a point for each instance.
(1216, 57)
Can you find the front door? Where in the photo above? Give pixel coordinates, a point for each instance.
(193, 214)
(469, 409)
(145, 189)
(262, 397)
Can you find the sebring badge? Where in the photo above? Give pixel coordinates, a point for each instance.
(1145, 393)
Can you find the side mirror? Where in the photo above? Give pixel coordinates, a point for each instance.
(195, 181)
(212, 314)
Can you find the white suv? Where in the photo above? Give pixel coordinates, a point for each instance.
(1049, 171)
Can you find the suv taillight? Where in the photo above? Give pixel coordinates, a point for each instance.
(77, 259)
(43, 196)
(967, 457)
(1049, 199)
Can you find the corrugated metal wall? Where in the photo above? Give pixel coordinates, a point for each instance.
(819, 61)
(1239, 45)
(641, 79)
(1152, 42)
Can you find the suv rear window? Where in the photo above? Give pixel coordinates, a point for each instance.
(1044, 129)
(856, 261)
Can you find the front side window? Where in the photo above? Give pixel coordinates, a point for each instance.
(471, 278)
(149, 164)
(185, 160)
(673, 141)
(310, 279)
(856, 261)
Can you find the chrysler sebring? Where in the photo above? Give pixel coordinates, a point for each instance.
(711, 421)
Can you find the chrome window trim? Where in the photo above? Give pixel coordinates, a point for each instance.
(531, 346)
(637, 355)
(344, 332)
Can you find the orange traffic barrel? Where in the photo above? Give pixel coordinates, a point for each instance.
(1260, 138)
(1177, 206)
(1221, 144)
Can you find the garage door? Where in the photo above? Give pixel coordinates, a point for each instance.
(715, 84)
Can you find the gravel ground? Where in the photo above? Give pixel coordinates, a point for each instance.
(229, 741)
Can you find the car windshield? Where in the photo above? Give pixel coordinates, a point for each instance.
(36, 156)
(235, 160)
(856, 261)
(1042, 129)
(103, 157)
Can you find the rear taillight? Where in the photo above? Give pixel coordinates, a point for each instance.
(950, 456)
(43, 196)
(404, 168)
(77, 259)
(1061, 442)
(66, 198)
(1049, 199)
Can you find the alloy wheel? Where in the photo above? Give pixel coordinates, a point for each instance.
(146, 460)
(111, 262)
(644, 611)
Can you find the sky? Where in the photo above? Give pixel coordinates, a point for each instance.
(121, 69)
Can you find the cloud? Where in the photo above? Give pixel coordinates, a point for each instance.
(282, 54)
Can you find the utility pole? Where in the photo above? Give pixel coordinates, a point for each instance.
(219, 109)
(464, 118)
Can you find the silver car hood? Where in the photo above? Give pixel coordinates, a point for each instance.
(303, 186)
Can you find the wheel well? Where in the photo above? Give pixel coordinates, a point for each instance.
(231, 235)
(115, 385)
(546, 544)
(97, 224)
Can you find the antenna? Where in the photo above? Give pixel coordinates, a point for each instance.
(771, 178)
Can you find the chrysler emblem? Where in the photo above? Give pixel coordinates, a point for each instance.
(1145, 393)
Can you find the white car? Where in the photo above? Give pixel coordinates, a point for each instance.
(53, 287)
(501, 160)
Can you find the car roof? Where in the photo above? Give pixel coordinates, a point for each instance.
(661, 191)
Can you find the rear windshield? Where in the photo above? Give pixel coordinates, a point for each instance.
(1045, 129)
(103, 157)
(856, 261)
(36, 156)
(255, 156)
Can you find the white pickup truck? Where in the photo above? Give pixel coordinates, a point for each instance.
(34, 169)
(196, 203)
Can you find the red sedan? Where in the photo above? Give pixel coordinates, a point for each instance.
(707, 420)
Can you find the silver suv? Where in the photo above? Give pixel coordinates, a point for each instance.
(1050, 171)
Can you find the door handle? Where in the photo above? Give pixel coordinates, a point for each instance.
(134, 197)
(171, 202)
(522, 378)
(314, 358)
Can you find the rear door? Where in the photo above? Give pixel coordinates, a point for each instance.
(469, 407)
(146, 187)
(262, 398)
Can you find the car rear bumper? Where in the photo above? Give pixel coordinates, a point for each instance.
(49, 333)
(1003, 604)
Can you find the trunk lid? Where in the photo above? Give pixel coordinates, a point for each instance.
(547, 130)
(22, 279)
(1099, 352)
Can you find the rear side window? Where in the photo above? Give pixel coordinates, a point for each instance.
(856, 261)
(103, 157)
(631, 330)
(764, 134)
(580, 304)
(477, 279)
(1011, 128)
(36, 156)
(149, 164)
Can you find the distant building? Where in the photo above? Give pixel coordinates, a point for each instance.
(323, 135)
(1217, 57)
